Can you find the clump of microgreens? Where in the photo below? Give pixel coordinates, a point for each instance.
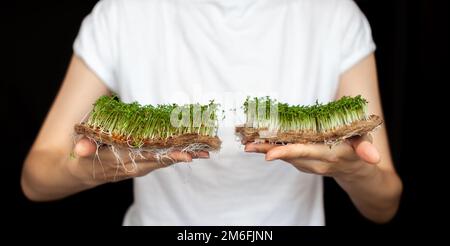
(265, 112)
(138, 123)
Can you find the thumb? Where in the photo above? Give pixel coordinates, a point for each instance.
(85, 147)
(365, 149)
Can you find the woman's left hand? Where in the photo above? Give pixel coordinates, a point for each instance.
(341, 160)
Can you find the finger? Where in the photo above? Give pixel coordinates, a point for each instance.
(85, 147)
(170, 158)
(365, 149)
(178, 156)
(292, 151)
(308, 165)
(200, 155)
(259, 147)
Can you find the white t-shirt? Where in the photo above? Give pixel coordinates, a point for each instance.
(182, 51)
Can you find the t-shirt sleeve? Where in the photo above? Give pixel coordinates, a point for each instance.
(95, 43)
(356, 35)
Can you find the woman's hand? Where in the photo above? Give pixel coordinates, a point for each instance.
(110, 164)
(364, 170)
(342, 160)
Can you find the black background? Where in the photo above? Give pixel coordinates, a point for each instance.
(412, 53)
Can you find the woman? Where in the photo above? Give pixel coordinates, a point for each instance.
(167, 51)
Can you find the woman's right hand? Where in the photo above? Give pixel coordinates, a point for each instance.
(110, 164)
(48, 172)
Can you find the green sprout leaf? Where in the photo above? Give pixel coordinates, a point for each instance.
(314, 118)
(139, 123)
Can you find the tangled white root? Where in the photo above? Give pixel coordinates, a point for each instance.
(160, 155)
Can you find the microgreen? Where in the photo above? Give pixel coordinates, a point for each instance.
(138, 123)
(265, 112)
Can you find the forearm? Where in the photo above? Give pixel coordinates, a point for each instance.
(46, 176)
(375, 192)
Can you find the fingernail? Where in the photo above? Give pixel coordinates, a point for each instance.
(271, 155)
(203, 155)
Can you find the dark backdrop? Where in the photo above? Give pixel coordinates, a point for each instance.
(411, 57)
